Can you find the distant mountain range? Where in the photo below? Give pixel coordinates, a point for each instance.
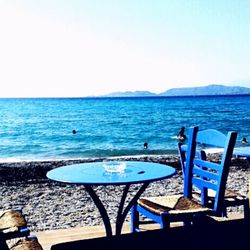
(193, 91)
(131, 94)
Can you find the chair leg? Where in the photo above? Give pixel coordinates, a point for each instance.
(134, 220)
(187, 223)
(246, 210)
(224, 212)
(3, 244)
(165, 223)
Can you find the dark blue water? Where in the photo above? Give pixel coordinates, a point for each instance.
(41, 129)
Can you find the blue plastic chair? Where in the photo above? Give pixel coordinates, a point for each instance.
(231, 198)
(199, 174)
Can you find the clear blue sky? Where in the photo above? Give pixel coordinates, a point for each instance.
(92, 47)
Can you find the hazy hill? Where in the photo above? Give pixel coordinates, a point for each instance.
(207, 90)
(193, 91)
(131, 94)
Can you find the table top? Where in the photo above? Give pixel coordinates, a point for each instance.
(95, 173)
(242, 151)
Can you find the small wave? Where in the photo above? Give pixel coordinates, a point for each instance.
(174, 137)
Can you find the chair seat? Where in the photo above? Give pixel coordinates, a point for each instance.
(172, 204)
(27, 244)
(11, 220)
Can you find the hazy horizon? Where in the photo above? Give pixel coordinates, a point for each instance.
(54, 48)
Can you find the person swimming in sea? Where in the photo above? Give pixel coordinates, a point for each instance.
(181, 135)
(244, 140)
(145, 145)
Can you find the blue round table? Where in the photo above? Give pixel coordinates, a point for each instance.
(96, 173)
(243, 151)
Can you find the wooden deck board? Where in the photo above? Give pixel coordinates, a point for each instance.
(51, 237)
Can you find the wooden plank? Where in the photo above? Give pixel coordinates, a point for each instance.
(51, 237)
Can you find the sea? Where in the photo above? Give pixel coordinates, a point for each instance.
(34, 129)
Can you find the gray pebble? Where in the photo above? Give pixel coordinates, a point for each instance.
(49, 205)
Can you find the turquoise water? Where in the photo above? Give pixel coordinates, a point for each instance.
(41, 129)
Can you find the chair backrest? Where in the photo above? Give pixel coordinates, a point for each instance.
(182, 148)
(204, 174)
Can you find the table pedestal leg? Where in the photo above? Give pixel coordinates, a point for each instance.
(101, 209)
(122, 212)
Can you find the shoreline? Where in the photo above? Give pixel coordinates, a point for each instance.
(36, 169)
(33, 170)
(133, 153)
(52, 205)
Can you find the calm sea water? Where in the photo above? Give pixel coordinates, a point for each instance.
(41, 128)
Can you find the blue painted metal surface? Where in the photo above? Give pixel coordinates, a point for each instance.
(242, 151)
(96, 173)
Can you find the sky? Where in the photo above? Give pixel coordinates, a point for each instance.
(77, 48)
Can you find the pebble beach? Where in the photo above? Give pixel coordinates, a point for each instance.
(51, 205)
